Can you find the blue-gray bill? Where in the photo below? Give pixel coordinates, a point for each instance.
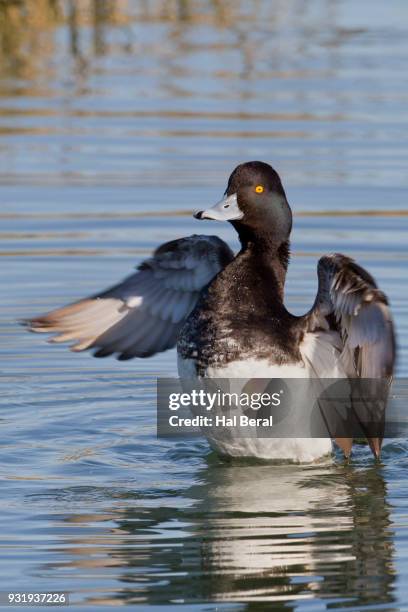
(225, 210)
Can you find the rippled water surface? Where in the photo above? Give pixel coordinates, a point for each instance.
(116, 120)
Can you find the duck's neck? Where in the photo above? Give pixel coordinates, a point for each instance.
(269, 260)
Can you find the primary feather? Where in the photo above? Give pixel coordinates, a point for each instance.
(143, 314)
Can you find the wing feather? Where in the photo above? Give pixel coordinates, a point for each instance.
(349, 295)
(350, 305)
(144, 313)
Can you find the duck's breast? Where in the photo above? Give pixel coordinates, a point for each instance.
(228, 441)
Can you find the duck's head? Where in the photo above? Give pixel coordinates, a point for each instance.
(255, 203)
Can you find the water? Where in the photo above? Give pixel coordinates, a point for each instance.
(116, 120)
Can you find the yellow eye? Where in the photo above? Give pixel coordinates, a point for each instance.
(259, 189)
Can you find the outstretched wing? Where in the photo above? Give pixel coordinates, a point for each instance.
(354, 313)
(349, 301)
(144, 313)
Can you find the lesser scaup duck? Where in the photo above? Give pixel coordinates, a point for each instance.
(227, 315)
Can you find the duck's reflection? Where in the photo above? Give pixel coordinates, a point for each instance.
(254, 533)
(285, 533)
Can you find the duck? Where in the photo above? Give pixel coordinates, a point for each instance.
(226, 313)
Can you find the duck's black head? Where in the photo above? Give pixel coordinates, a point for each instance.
(255, 203)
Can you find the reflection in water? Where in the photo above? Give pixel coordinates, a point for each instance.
(28, 30)
(191, 87)
(251, 533)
